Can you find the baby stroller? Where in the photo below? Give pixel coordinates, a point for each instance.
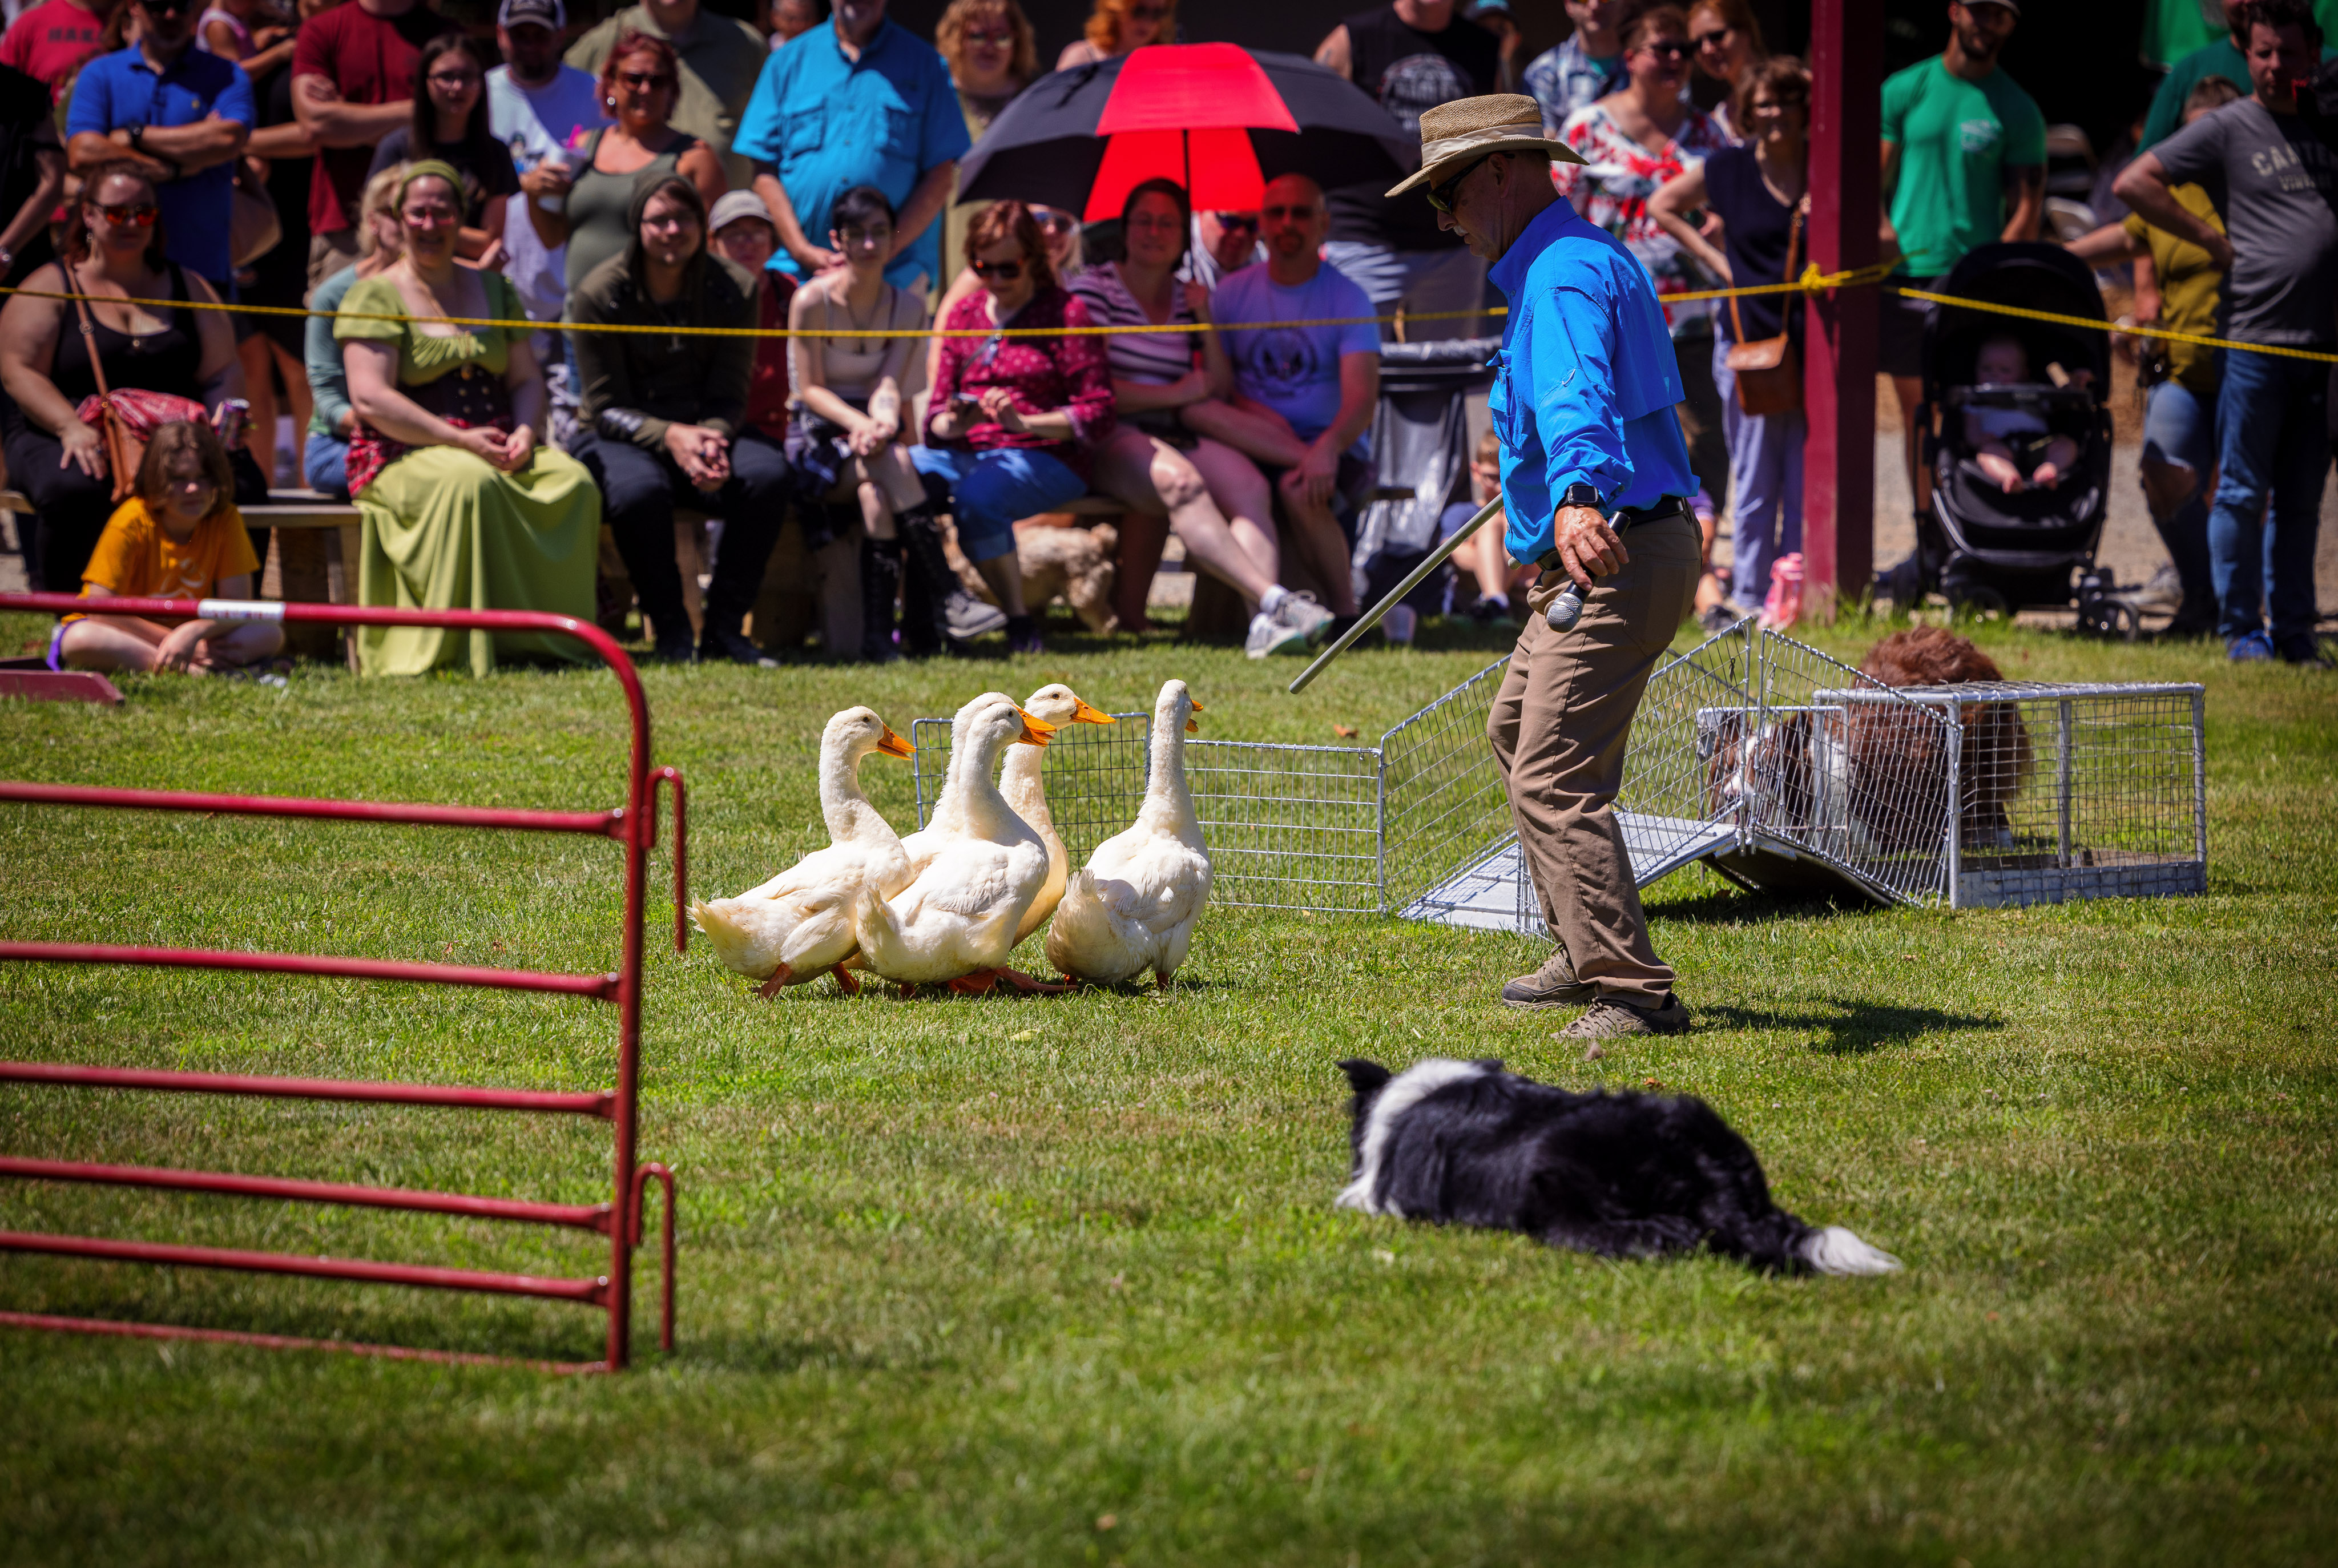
(1983, 547)
(1421, 462)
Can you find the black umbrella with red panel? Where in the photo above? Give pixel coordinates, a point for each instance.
(1219, 119)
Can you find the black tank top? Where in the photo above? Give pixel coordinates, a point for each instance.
(1408, 70)
(170, 360)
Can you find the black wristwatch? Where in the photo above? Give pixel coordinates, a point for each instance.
(1575, 494)
(137, 138)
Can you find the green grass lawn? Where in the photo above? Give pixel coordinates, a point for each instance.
(1058, 1280)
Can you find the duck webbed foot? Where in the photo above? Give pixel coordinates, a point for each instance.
(781, 977)
(1030, 986)
(847, 983)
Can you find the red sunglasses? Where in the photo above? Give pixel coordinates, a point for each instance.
(142, 214)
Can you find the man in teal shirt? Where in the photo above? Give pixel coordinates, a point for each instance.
(1959, 138)
(861, 101)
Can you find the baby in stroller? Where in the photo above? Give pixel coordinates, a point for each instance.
(2012, 446)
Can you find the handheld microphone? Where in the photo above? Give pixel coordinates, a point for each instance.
(1565, 610)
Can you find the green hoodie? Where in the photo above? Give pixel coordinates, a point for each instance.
(637, 383)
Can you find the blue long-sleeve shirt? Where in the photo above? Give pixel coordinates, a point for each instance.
(1585, 385)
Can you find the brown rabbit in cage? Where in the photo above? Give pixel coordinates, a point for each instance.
(1996, 759)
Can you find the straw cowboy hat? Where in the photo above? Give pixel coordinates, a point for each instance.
(1469, 128)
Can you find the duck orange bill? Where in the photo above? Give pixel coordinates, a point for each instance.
(893, 745)
(1192, 728)
(1087, 714)
(1036, 731)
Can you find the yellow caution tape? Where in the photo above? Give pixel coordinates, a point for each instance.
(2163, 334)
(1812, 281)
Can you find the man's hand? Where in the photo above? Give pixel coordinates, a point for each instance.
(704, 455)
(1588, 547)
(815, 260)
(2219, 247)
(1317, 473)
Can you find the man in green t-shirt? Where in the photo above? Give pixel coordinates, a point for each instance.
(1961, 142)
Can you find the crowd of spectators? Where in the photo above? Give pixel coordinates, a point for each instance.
(669, 169)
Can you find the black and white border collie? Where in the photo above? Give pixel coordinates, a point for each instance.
(1623, 1175)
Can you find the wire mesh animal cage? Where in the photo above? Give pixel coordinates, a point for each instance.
(1331, 830)
(1781, 769)
(1788, 770)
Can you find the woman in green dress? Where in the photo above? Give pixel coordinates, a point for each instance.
(462, 508)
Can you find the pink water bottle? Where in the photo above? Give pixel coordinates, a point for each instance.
(1783, 607)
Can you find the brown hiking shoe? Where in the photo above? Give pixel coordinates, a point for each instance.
(1608, 1019)
(1552, 986)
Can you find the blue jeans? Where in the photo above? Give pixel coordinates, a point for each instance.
(1765, 483)
(2179, 429)
(2273, 442)
(325, 465)
(991, 490)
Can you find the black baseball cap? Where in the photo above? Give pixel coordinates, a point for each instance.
(541, 13)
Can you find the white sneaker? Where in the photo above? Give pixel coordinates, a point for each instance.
(1297, 624)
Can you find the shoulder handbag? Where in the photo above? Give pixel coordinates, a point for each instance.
(254, 226)
(1769, 372)
(126, 420)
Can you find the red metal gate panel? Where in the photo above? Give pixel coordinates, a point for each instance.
(632, 824)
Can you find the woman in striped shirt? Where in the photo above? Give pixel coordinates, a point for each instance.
(1214, 499)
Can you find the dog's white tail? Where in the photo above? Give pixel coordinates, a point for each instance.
(1835, 1250)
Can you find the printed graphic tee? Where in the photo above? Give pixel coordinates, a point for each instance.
(1956, 140)
(1406, 71)
(2275, 181)
(1292, 369)
(49, 42)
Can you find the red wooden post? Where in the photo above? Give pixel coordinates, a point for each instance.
(1839, 359)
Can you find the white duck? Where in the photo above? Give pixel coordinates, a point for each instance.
(944, 826)
(798, 925)
(955, 923)
(1020, 785)
(1133, 907)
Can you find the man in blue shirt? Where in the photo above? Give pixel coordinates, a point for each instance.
(1582, 403)
(182, 117)
(861, 101)
(1304, 396)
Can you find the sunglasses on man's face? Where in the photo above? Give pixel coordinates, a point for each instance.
(1441, 195)
(1237, 222)
(141, 213)
(1286, 214)
(1004, 271)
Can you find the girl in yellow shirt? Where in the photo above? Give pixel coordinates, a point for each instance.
(179, 537)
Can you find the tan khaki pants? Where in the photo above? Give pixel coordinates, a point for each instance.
(1558, 728)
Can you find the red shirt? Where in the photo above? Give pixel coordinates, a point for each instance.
(370, 59)
(767, 387)
(49, 42)
(1042, 374)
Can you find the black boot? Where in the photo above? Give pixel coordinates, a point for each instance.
(880, 584)
(946, 614)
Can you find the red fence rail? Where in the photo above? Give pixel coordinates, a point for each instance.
(632, 824)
